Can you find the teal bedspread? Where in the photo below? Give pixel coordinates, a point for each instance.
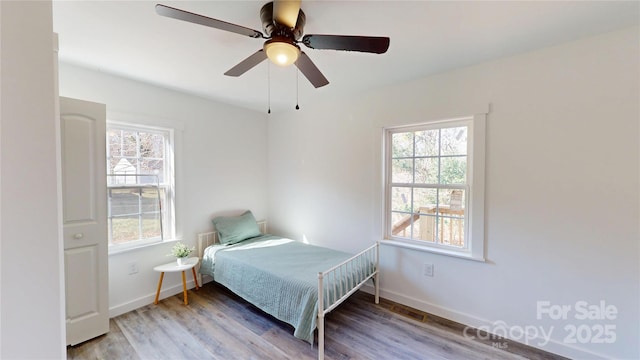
(277, 275)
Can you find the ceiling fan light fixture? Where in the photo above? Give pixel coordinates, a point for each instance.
(281, 52)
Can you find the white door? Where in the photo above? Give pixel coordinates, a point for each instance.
(83, 131)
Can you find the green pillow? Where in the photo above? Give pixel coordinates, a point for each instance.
(234, 229)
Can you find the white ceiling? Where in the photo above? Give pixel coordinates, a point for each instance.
(128, 38)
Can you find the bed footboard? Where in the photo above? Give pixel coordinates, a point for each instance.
(338, 283)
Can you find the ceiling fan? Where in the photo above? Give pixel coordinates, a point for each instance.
(283, 23)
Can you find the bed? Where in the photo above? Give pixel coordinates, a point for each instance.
(295, 282)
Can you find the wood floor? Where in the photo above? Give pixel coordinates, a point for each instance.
(219, 325)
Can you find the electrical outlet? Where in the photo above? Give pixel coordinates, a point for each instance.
(133, 268)
(428, 270)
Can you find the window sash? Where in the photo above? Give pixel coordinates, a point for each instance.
(167, 142)
(137, 211)
(439, 213)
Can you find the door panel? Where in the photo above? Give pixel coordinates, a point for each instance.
(79, 269)
(83, 130)
(78, 133)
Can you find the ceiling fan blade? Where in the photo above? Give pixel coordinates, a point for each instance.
(369, 44)
(285, 12)
(206, 21)
(247, 64)
(310, 71)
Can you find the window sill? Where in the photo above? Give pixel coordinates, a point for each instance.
(434, 250)
(122, 250)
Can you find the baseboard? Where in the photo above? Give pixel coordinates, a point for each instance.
(552, 346)
(147, 299)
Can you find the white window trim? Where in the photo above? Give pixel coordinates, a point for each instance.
(475, 249)
(170, 226)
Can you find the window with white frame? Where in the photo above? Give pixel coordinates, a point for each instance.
(140, 185)
(434, 186)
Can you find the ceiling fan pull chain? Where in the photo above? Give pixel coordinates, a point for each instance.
(269, 87)
(297, 91)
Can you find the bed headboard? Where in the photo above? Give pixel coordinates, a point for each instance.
(210, 238)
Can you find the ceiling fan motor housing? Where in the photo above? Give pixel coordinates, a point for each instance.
(275, 29)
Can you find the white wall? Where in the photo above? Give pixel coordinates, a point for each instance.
(32, 293)
(562, 187)
(221, 168)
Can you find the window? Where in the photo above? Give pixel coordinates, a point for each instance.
(139, 185)
(434, 187)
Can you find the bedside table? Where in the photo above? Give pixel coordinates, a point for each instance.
(174, 267)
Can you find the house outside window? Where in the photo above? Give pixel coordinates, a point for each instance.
(434, 186)
(140, 185)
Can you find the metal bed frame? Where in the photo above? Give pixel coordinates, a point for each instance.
(330, 291)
